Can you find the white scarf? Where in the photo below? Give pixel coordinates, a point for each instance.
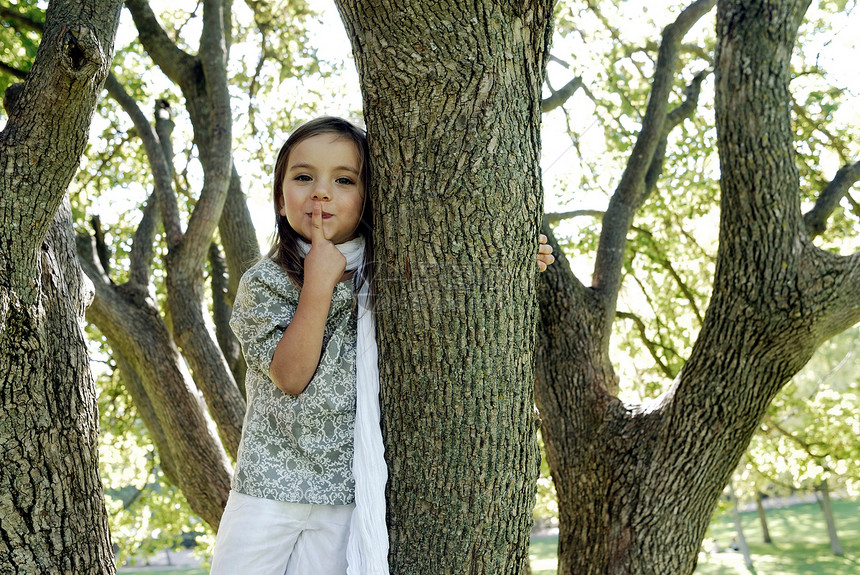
(367, 549)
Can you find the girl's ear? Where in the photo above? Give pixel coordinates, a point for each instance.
(281, 209)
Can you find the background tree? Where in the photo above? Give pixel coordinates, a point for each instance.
(637, 483)
(53, 518)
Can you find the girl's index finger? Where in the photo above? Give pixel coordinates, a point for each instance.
(316, 224)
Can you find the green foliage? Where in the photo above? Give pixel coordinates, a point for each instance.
(18, 41)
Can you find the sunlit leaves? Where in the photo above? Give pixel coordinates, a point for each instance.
(18, 40)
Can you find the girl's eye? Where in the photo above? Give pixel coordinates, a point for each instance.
(344, 181)
(303, 178)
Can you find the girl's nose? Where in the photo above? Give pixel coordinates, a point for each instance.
(321, 192)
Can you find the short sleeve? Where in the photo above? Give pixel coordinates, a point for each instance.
(265, 303)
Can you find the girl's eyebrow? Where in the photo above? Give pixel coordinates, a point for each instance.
(306, 166)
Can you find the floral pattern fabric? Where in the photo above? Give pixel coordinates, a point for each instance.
(295, 448)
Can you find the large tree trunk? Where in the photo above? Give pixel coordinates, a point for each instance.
(637, 484)
(452, 105)
(52, 515)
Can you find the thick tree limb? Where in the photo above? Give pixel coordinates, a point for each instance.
(816, 218)
(137, 390)
(238, 236)
(159, 164)
(184, 291)
(207, 101)
(134, 327)
(631, 190)
(177, 64)
(216, 157)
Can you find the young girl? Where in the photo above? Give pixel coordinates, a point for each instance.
(308, 489)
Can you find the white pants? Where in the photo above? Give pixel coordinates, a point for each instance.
(266, 537)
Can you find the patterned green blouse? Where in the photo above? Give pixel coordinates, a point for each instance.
(295, 448)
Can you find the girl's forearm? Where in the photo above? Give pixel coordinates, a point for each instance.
(298, 353)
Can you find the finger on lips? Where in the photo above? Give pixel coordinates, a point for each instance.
(316, 223)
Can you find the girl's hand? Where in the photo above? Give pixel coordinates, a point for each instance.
(544, 256)
(324, 264)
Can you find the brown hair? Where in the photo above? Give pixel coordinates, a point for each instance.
(285, 250)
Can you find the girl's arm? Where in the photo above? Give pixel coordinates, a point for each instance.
(298, 353)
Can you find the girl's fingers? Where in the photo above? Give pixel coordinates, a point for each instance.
(316, 224)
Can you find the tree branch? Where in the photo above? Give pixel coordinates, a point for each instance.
(238, 237)
(12, 71)
(643, 335)
(680, 113)
(816, 218)
(631, 191)
(217, 156)
(142, 246)
(805, 446)
(133, 384)
(664, 262)
(26, 22)
(175, 63)
(102, 249)
(135, 328)
(562, 95)
(556, 217)
(221, 311)
(161, 171)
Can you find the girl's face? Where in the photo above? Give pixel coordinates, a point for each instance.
(324, 168)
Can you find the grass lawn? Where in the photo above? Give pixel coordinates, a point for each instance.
(800, 544)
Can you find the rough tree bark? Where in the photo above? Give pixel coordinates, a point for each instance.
(52, 515)
(637, 484)
(452, 105)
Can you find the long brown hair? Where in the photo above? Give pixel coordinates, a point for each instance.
(285, 250)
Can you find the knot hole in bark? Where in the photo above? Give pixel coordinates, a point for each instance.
(82, 54)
